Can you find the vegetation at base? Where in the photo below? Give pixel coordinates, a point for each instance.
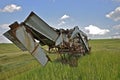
(103, 63)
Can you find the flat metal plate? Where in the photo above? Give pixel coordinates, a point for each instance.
(39, 54)
(27, 40)
(40, 26)
(59, 40)
(10, 36)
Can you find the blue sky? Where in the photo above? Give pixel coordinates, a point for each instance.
(97, 18)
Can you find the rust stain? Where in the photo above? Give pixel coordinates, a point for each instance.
(33, 52)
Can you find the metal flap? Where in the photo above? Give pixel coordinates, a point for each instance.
(40, 26)
(26, 38)
(12, 38)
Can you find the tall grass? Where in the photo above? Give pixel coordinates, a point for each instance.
(102, 64)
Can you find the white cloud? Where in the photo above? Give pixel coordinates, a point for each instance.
(4, 26)
(10, 8)
(116, 35)
(61, 23)
(3, 29)
(94, 30)
(4, 40)
(115, 15)
(64, 17)
(116, 26)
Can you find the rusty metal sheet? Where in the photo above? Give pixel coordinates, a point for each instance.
(12, 38)
(27, 40)
(40, 26)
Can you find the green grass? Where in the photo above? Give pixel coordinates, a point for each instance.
(102, 64)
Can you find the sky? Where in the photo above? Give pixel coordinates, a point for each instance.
(97, 18)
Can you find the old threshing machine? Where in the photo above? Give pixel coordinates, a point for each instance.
(69, 43)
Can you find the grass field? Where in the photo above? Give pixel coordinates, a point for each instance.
(102, 64)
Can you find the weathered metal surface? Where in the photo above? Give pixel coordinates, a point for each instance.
(38, 36)
(72, 41)
(59, 40)
(40, 26)
(82, 37)
(40, 55)
(27, 40)
(12, 38)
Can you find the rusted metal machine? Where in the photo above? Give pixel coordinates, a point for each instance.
(69, 43)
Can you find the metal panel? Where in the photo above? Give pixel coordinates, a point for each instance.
(40, 26)
(40, 55)
(59, 40)
(85, 43)
(27, 40)
(12, 38)
(77, 31)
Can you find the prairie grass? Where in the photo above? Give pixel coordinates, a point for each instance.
(103, 63)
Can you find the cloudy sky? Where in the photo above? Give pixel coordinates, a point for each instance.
(97, 18)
